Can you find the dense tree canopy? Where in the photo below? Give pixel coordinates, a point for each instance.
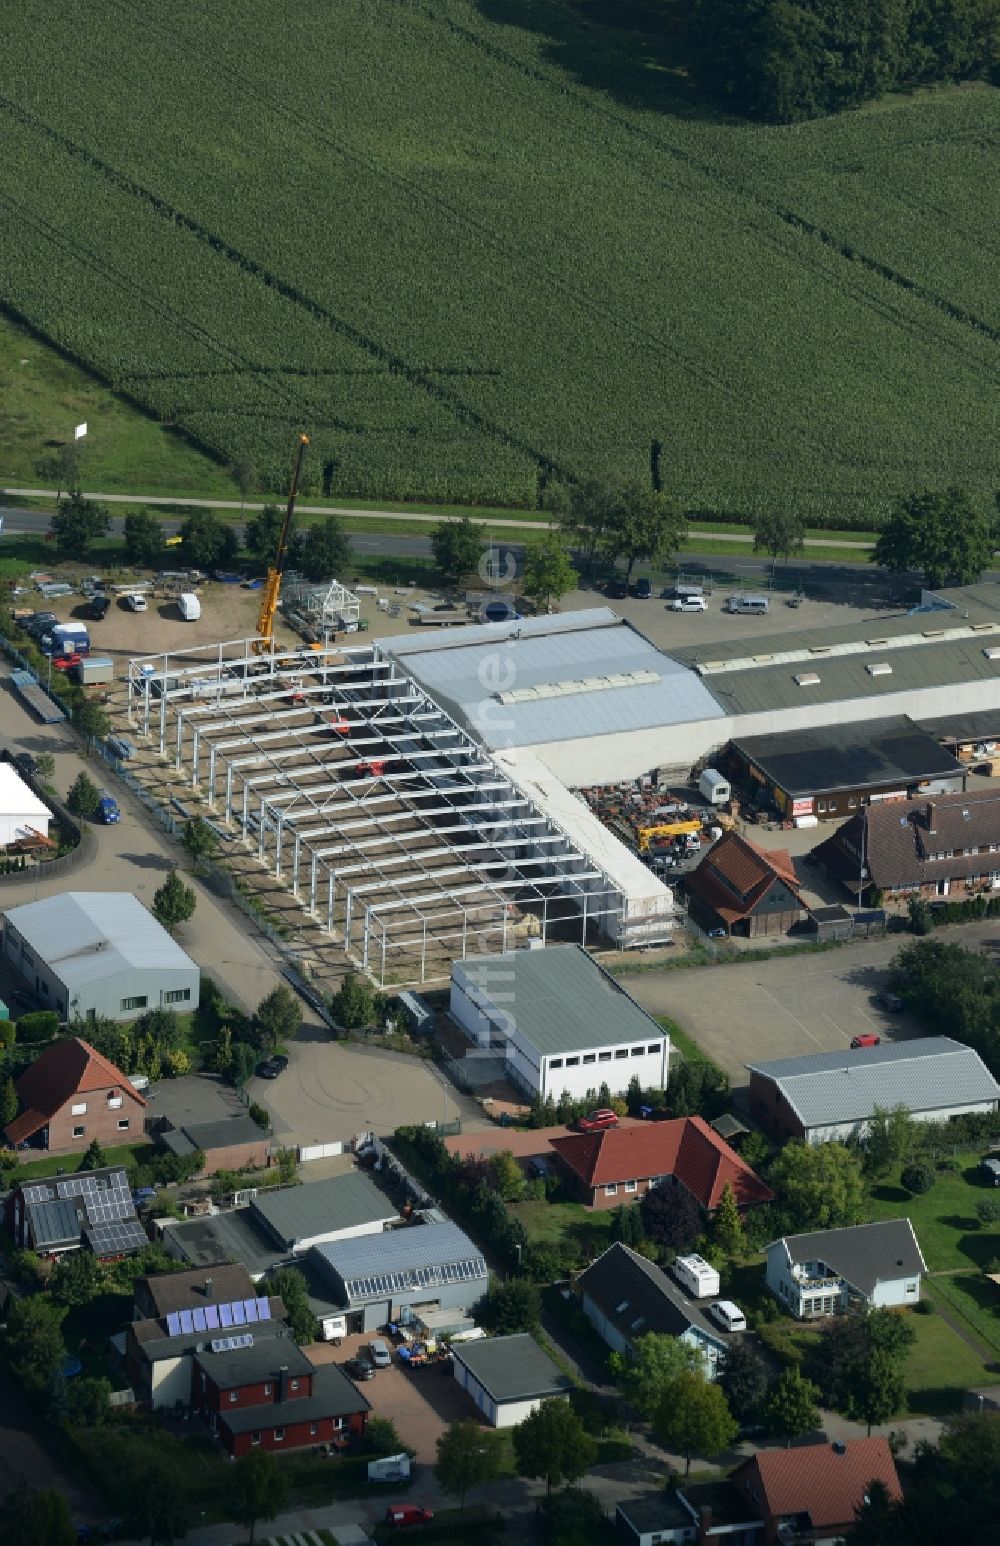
(941, 535)
(954, 990)
(819, 1186)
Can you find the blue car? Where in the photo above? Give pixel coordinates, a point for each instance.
(107, 810)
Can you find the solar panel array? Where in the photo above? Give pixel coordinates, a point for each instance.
(213, 1317)
(228, 1344)
(415, 1277)
(117, 1237)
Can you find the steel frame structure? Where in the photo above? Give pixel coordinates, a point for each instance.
(323, 609)
(388, 824)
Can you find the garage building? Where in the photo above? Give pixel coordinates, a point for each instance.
(508, 1377)
(88, 953)
(559, 1020)
(829, 771)
(423, 1267)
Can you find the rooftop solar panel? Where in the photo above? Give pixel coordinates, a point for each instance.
(187, 1320)
(225, 1315)
(264, 1309)
(212, 1317)
(239, 1313)
(250, 1309)
(200, 1323)
(173, 1324)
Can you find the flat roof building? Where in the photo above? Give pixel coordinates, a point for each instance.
(508, 1377)
(230, 1143)
(299, 1217)
(559, 1020)
(98, 953)
(419, 1267)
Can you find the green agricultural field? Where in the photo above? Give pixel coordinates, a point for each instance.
(466, 244)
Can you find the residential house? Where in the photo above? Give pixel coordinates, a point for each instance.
(164, 1293)
(744, 889)
(832, 1095)
(945, 846)
(624, 1297)
(620, 1164)
(508, 1377)
(811, 1493)
(71, 1095)
(558, 1022)
(263, 1393)
(91, 1209)
(160, 1350)
(831, 1270)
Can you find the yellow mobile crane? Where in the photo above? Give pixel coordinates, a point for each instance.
(272, 585)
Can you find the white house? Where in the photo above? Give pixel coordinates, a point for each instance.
(508, 1377)
(22, 813)
(624, 1296)
(826, 1272)
(559, 1020)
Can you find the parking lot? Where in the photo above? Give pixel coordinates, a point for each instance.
(421, 1402)
(752, 1010)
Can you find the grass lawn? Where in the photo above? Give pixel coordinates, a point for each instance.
(549, 1223)
(941, 1367)
(688, 1049)
(973, 1297)
(944, 1218)
(51, 1164)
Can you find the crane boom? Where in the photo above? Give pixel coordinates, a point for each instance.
(272, 585)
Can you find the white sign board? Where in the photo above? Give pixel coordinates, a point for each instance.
(79, 432)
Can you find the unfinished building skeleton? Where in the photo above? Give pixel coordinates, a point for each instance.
(390, 826)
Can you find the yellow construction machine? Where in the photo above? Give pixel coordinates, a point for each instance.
(272, 585)
(668, 829)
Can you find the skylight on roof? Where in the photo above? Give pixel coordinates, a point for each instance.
(806, 679)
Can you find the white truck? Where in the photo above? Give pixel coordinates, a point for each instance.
(696, 1275)
(189, 606)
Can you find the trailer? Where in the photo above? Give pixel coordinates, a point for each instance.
(30, 690)
(94, 668)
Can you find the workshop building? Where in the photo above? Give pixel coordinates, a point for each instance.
(508, 1377)
(87, 953)
(745, 890)
(422, 1267)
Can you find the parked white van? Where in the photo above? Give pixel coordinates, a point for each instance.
(189, 606)
(728, 1315)
(136, 602)
(758, 604)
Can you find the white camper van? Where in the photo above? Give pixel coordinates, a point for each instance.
(189, 606)
(696, 1275)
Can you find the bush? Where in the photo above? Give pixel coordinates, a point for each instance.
(988, 1211)
(775, 1338)
(38, 1025)
(259, 1115)
(918, 1178)
(924, 1307)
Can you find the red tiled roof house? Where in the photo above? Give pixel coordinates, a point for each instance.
(620, 1164)
(814, 1490)
(71, 1095)
(745, 889)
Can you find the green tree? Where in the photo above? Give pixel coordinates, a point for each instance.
(456, 546)
(77, 525)
(259, 1489)
(921, 915)
(244, 475)
(355, 1005)
(77, 1277)
(876, 1389)
(790, 1411)
(468, 1455)
(940, 534)
(36, 1518)
(87, 1401)
(61, 466)
(382, 1437)
(586, 513)
(244, 1061)
(173, 902)
(144, 541)
(263, 533)
(155, 1498)
(45, 764)
(222, 1058)
(199, 840)
(277, 1018)
(506, 1176)
(645, 526)
(780, 533)
(512, 1306)
(8, 1102)
(670, 1216)
(553, 1443)
(890, 1138)
(821, 1186)
(918, 1178)
(83, 796)
(693, 1418)
(323, 550)
(91, 720)
(207, 541)
(743, 1380)
(727, 1225)
(33, 1346)
(289, 1283)
(94, 1158)
(861, 1360)
(657, 1360)
(877, 1520)
(548, 572)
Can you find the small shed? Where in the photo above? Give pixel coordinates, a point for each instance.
(508, 1377)
(830, 923)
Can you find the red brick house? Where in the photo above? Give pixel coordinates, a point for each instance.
(71, 1095)
(811, 1493)
(945, 846)
(267, 1395)
(745, 889)
(619, 1165)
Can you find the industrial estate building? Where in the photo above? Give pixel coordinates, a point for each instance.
(424, 1267)
(558, 1021)
(833, 1095)
(22, 813)
(86, 953)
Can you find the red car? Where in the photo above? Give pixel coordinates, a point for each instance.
(867, 1039)
(64, 662)
(597, 1121)
(407, 1514)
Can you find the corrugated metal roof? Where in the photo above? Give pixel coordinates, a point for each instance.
(420, 1245)
(466, 675)
(928, 1074)
(322, 1207)
(422, 641)
(85, 936)
(560, 999)
(512, 1368)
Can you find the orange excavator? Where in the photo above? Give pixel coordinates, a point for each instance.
(264, 643)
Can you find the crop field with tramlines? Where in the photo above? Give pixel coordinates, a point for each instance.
(468, 244)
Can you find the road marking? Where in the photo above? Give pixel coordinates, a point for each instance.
(788, 1012)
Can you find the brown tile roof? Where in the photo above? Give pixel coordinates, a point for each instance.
(686, 1148)
(63, 1071)
(735, 874)
(187, 1290)
(523, 1143)
(898, 840)
(819, 1480)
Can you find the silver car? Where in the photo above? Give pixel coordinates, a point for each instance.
(378, 1352)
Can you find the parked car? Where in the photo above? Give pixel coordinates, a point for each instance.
(135, 602)
(617, 590)
(359, 1369)
(279, 1061)
(866, 1039)
(39, 623)
(268, 1069)
(643, 589)
(728, 1315)
(891, 1002)
(99, 607)
(378, 1352)
(688, 604)
(25, 761)
(65, 662)
(716, 933)
(107, 810)
(991, 1170)
(407, 1514)
(597, 1121)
